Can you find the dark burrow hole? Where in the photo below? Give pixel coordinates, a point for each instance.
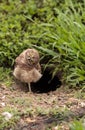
(46, 83)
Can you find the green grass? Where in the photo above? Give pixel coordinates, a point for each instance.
(77, 125)
(11, 123)
(6, 77)
(56, 29)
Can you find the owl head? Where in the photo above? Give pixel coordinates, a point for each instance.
(32, 57)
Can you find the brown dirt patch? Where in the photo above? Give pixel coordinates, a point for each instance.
(42, 111)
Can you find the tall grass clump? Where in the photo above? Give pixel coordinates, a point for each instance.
(55, 28)
(65, 35)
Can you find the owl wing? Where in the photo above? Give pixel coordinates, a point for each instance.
(38, 67)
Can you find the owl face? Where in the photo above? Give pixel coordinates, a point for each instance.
(32, 57)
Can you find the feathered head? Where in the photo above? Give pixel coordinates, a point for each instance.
(32, 56)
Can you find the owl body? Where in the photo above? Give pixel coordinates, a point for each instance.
(27, 75)
(27, 68)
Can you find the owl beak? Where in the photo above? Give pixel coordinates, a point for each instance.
(32, 61)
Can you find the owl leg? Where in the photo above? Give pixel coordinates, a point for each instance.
(29, 85)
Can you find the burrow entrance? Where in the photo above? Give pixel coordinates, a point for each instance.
(46, 83)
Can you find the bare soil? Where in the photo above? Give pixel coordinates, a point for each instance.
(42, 111)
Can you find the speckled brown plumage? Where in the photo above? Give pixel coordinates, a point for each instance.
(27, 68)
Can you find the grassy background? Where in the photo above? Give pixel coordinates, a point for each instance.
(55, 27)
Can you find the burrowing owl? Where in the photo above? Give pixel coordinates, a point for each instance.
(27, 68)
